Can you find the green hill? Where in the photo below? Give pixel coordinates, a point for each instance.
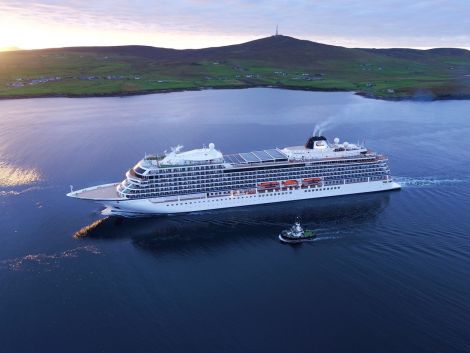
(278, 61)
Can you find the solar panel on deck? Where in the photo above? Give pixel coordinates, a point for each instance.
(263, 156)
(249, 157)
(276, 154)
(255, 157)
(238, 158)
(235, 158)
(229, 158)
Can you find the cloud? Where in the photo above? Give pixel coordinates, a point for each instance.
(195, 23)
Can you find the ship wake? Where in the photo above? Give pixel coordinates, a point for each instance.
(409, 182)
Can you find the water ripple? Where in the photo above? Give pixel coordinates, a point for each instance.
(429, 181)
(19, 192)
(24, 262)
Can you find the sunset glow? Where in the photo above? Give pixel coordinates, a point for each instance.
(23, 32)
(194, 23)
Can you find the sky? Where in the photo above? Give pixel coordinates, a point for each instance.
(31, 24)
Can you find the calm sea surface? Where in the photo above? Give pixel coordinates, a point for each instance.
(390, 272)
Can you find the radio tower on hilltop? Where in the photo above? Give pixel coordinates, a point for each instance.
(277, 30)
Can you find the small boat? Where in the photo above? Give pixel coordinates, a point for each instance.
(290, 183)
(296, 234)
(268, 184)
(311, 180)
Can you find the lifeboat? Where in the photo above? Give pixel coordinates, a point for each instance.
(290, 183)
(268, 184)
(311, 181)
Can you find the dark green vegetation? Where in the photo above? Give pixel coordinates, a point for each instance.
(278, 61)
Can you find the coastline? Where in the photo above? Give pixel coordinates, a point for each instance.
(419, 97)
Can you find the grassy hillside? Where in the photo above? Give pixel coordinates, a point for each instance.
(274, 61)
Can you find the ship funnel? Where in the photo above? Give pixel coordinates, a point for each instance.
(311, 141)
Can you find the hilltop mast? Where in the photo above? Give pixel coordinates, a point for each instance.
(277, 32)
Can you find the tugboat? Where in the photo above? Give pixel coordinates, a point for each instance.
(296, 234)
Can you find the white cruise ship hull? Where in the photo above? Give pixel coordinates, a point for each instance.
(160, 206)
(205, 179)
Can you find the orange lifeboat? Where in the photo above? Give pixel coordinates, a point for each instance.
(290, 183)
(268, 184)
(311, 180)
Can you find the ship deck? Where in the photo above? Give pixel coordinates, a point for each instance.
(265, 156)
(100, 192)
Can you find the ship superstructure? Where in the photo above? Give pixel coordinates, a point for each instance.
(205, 179)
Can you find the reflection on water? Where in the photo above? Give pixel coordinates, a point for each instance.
(332, 218)
(85, 230)
(11, 175)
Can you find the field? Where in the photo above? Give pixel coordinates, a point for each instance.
(274, 61)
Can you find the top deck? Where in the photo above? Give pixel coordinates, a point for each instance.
(265, 156)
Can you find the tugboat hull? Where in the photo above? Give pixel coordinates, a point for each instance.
(291, 240)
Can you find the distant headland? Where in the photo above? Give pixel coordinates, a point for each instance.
(277, 61)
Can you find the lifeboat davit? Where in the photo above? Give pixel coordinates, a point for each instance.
(290, 183)
(311, 181)
(269, 184)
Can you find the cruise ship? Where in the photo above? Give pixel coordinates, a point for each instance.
(205, 179)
